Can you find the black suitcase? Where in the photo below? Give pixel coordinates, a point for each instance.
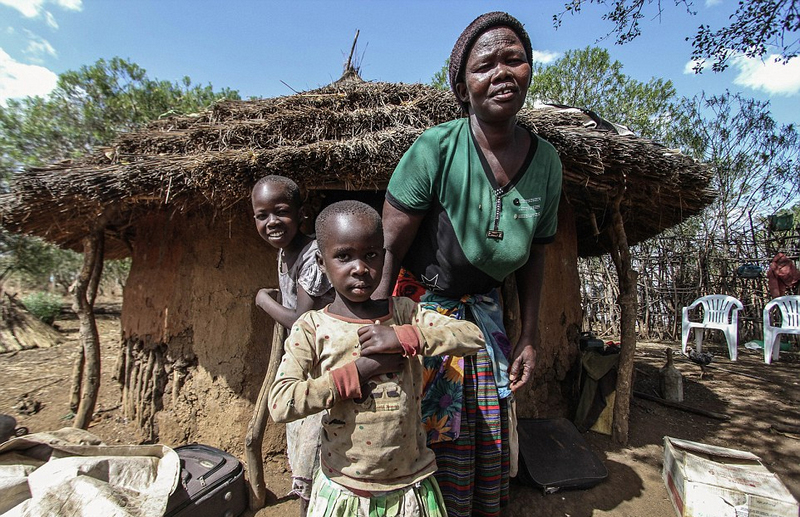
(553, 455)
(211, 484)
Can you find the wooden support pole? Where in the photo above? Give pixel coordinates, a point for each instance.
(85, 292)
(79, 365)
(682, 407)
(77, 379)
(258, 424)
(349, 64)
(627, 301)
(787, 429)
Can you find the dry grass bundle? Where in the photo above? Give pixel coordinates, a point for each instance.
(346, 135)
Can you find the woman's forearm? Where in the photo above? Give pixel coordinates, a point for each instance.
(530, 278)
(399, 231)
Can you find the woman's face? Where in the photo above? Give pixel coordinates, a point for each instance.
(496, 75)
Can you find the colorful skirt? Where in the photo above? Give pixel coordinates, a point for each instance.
(473, 469)
(464, 415)
(330, 499)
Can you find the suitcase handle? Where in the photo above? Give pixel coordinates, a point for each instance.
(218, 466)
(186, 475)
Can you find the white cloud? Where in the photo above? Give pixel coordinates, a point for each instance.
(21, 80)
(35, 8)
(768, 75)
(688, 68)
(544, 57)
(28, 8)
(38, 47)
(712, 3)
(70, 5)
(50, 20)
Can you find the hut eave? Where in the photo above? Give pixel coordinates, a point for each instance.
(349, 134)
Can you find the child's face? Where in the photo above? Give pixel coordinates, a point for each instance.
(353, 257)
(277, 219)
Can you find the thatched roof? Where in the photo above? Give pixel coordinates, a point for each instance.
(349, 135)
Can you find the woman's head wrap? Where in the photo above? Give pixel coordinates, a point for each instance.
(481, 24)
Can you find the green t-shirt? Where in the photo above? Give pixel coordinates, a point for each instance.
(469, 242)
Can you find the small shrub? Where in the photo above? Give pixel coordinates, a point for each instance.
(45, 306)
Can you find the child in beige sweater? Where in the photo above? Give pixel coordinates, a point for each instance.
(360, 362)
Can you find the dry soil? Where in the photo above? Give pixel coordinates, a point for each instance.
(754, 396)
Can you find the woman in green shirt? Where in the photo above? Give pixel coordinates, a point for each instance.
(472, 201)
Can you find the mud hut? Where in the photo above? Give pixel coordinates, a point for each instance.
(174, 197)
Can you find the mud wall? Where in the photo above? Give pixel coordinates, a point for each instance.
(196, 346)
(552, 393)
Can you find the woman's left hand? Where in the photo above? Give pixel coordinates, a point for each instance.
(521, 371)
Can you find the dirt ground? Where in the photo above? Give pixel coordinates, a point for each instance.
(754, 396)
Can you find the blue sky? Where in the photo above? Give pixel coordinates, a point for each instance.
(255, 46)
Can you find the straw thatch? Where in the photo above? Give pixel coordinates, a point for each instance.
(349, 135)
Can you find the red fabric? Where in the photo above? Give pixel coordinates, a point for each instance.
(782, 275)
(408, 337)
(347, 382)
(408, 286)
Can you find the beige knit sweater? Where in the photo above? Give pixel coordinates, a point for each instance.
(375, 442)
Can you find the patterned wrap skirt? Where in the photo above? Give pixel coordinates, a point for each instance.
(464, 415)
(473, 469)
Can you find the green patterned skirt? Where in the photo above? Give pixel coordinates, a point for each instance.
(330, 499)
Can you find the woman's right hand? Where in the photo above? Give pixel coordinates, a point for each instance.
(370, 366)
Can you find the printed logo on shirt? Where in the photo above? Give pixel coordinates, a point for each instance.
(527, 208)
(388, 397)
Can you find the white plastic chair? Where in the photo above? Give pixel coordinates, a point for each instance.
(790, 324)
(720, 312)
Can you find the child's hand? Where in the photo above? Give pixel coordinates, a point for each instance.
(378, 339)
(369, 367)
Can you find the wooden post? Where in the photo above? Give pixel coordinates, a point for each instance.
(255, 429)
(77, 379)
(349, 64)
(627, 301)
(80, 356)
(83, 304)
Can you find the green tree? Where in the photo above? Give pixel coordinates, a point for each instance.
(756, 28)
(589, 79)
(88, 108)
(755, 162)
(441, 79)
(36, 262)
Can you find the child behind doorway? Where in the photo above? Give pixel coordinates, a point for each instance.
(360, 362)
(278, 215)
